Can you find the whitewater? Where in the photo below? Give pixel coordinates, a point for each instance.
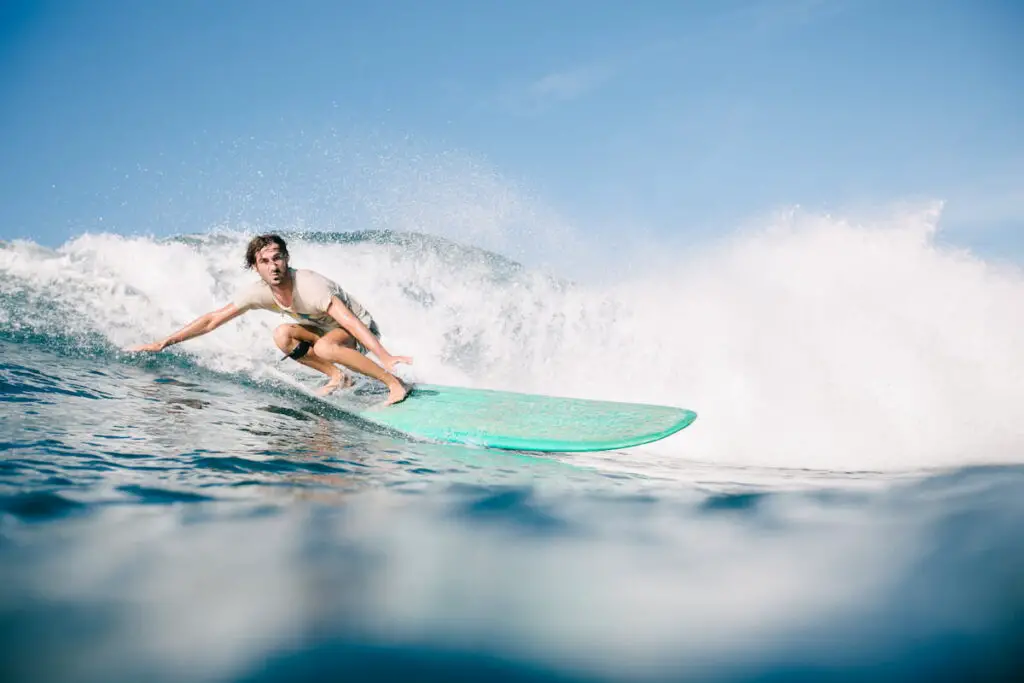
(814, 343)
(847, 504)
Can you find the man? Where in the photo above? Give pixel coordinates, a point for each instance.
(332, 326)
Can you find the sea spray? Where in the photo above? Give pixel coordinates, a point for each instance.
(814, 342)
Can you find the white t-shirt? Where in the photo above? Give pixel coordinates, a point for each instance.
(311, 296)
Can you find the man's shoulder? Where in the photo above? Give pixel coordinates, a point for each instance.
(256, 286)
(305, 276)
(252, 294)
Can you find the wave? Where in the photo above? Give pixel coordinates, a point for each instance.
(812, 342)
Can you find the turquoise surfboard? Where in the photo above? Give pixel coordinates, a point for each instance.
(526, 422)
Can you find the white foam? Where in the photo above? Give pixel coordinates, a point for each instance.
(813, 342)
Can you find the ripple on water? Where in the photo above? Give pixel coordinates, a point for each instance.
(34, 506)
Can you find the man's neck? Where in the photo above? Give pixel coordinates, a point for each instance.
(283, 291)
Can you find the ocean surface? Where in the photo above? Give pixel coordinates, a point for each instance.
(848, 506)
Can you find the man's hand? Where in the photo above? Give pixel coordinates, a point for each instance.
(389, 361)
(153, 348)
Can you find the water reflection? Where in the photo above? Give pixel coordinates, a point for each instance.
(564, 584)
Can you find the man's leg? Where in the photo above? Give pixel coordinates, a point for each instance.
(338, 346)
(289, 338)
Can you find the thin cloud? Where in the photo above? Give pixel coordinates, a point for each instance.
(568, 85)
(772, 15)
(557, 87)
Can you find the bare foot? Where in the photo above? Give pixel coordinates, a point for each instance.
(339, 380)
(396, 392)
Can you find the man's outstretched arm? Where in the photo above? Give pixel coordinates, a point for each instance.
(207, 322)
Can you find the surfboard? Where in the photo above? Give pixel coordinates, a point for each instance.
(526, 422)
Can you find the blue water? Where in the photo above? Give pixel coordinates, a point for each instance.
(190, 516)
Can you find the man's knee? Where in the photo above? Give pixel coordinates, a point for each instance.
(283, 335)
(288, 337)
(324, 344)
(289, 340)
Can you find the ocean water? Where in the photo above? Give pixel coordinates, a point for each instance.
(848, 505)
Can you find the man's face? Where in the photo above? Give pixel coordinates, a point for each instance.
(272, 264)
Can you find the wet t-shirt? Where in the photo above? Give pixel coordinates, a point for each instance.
(311, 296)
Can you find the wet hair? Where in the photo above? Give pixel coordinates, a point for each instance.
(259, 242)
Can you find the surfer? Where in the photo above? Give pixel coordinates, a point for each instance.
(332, 327)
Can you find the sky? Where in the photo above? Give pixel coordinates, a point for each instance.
(678, 119)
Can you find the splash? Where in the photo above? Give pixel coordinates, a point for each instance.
(813, 342)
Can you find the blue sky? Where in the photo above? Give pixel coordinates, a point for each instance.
(678, 118)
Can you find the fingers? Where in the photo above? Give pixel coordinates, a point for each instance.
(390, 362)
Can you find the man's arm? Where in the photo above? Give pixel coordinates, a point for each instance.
(207, 322)
(340, 312)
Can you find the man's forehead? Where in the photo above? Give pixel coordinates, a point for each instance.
(268, 250)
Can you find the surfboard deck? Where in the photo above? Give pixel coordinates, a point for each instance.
(525, 422)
